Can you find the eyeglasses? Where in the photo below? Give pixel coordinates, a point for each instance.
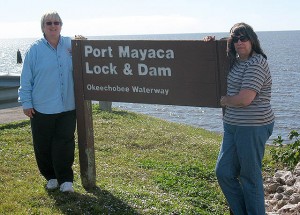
(241, 38)
(50, 23)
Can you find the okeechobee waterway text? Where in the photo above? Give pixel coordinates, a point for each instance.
(127, 89)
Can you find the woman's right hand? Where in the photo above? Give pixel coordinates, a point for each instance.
(29, 112)
(209, 38)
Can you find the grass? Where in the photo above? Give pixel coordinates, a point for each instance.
(144, 165)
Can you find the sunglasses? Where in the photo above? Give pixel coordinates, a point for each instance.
(241, 38)
(50, 23)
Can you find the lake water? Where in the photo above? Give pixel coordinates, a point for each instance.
(281, 47)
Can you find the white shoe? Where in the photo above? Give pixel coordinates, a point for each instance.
(67, 187)
(52, 184)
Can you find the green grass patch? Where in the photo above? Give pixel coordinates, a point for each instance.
(144, 165)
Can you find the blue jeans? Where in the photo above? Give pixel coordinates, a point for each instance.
(239, 167)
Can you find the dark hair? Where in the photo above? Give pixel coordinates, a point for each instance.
(246, 30)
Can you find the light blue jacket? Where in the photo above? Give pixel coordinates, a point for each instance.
(46, 82)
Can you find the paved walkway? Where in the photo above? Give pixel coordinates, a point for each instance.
(8, 115)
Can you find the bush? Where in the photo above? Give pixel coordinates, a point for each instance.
(287, 155)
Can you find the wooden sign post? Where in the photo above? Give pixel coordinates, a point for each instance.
(188, 73)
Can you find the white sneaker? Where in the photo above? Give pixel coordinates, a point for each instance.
(67, 187)
(52, 184)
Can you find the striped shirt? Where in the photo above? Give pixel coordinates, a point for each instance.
(252, 74)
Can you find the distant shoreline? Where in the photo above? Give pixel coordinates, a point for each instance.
(140, 35)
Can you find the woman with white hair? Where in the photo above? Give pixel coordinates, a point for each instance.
(47, 96)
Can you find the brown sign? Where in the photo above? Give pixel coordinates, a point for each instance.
(187, 73)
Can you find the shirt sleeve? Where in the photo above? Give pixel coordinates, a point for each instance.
(255, 76)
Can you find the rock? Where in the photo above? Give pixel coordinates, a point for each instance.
(297, 173)
(271, 188)
(290, 181)
(282, 192)
(280, 189)
(297, 183)
(281, 204)
(295, 198)
(285, 176)
(278, 196)
(279, 173)
(286, 208)
(289, 191)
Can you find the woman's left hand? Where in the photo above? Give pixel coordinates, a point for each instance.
(222, 101)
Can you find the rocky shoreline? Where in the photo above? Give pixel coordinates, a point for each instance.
(282, 192)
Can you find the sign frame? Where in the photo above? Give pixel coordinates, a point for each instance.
(87, 70)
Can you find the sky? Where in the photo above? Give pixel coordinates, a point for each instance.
(21, 19)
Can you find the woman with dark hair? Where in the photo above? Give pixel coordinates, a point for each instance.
(248, 123)
(246, 30)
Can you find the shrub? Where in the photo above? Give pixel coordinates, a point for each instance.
(287, 154)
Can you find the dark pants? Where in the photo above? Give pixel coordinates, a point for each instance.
(54, 144)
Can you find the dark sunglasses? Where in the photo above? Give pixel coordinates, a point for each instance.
(241, 38)
(50, 23)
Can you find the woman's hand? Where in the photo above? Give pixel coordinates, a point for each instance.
(209, 38)
(222, 101)
(29, 112)
(243, 99)
(80, 37)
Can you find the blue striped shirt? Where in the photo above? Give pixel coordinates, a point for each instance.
(47, 77)
(252, 74)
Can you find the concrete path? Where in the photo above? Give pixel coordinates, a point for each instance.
(13, 114)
